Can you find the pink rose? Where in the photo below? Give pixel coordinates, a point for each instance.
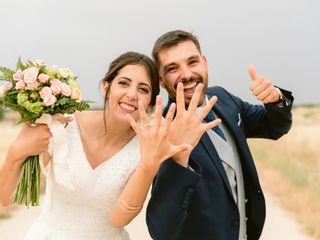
(7, 86)
(18, 75)
(55, 86)
(49, 100)
(20, 85)
(30, 75)
(65, 90)
(32, 86)
(46, 91)
(43, 78)
(76, 94)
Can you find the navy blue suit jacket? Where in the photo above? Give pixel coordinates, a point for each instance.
(198, 205)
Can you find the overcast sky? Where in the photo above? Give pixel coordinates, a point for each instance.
(280, 37)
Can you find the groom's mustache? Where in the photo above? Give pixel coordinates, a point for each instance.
(189, 80)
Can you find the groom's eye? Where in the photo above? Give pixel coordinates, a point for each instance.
(193, 62)
(171, 69)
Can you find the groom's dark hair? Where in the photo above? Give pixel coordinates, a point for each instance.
(171, 39)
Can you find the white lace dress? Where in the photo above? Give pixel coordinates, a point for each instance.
(79, 199)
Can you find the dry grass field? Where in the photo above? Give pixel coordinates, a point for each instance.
(289, 168)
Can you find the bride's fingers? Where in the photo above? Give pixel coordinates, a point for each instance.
(169, 116)
(65, 119)
(142, 113)
(158, 112)
(133, 123)
(62, 118)
(26, 124)
(207, 108)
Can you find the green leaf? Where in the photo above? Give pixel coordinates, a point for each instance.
(20, 65)
(29, 116)
(62, 101)
(3, 78)
(30, 64)
(42, 69)
(70, 107)
(13, 106)
(7, 74)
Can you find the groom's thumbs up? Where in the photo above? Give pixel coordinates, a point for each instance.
(262, 88)
(252, 72)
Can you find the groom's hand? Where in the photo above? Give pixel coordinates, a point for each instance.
(187, 127)
(262, 88)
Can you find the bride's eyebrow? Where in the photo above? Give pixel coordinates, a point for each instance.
(126, 78)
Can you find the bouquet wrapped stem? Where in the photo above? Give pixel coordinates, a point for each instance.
(28, 189)
(36, 90)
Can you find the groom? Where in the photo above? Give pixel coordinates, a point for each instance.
(212, 192)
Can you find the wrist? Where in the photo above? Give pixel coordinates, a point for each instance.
(182, 158)
(280, 95)
(15, 157)
(148, 170)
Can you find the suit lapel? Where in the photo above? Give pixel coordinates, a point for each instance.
(235, 131)
(233, 123)
(228, 121)
(211, 151)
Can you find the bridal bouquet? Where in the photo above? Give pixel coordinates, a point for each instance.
(35, 89)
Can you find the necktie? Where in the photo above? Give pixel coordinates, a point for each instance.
(210, 117)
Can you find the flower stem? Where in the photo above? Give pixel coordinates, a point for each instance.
(27, 191)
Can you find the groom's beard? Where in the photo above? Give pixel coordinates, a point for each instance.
(172, 89)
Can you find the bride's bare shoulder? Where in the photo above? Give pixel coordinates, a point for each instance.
(89, 116)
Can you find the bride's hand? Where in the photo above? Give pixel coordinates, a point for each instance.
(62, 119)
(153, 136)
(32, 140)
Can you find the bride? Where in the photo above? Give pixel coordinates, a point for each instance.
(99, 168)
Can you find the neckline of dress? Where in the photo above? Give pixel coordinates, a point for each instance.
(104, 161)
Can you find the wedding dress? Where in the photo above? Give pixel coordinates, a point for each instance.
(78, 198)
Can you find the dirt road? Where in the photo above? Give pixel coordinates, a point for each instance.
(279, 224)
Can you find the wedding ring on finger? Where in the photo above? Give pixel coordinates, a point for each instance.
(146, 125)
